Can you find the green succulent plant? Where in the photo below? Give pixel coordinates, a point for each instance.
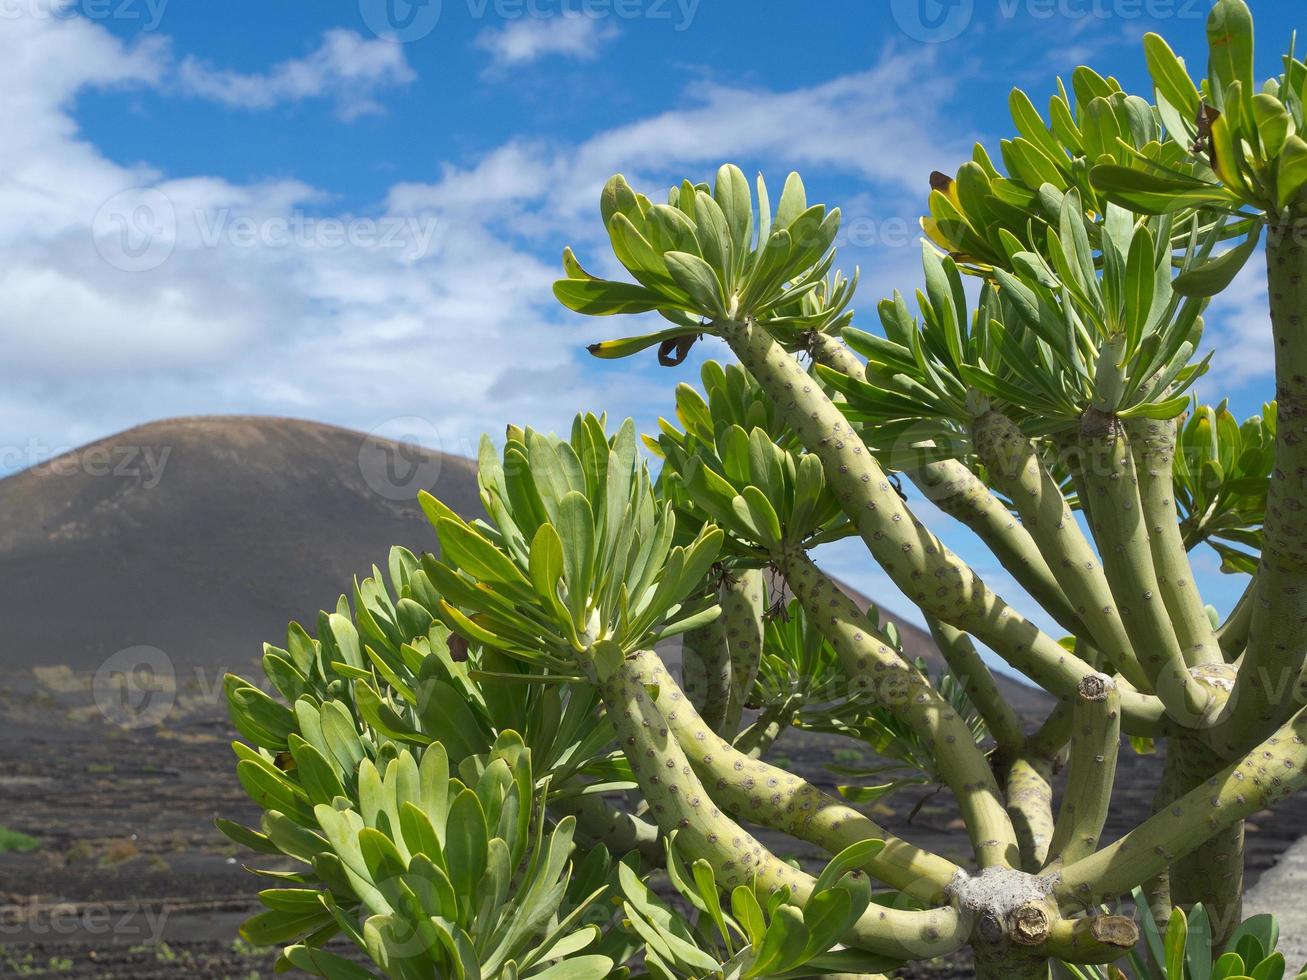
(453, 756)
(1182, 950)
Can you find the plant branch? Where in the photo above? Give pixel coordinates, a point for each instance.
(706, 672)
(878, 670)
(1274, 770)
(1019, 472)
(775, 798)
(742, 626)
(918, 562)
(1110, 477)
(1276, 647)
(1095, 743)
(1028, 784)
(966, 664)
(958, 492)
(1153, 443)
(679, 802)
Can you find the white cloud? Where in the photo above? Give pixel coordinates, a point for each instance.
(876, 124)
(528, 39)
(252, 304)
(345, 67)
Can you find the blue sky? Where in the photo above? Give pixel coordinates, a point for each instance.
(352, 212)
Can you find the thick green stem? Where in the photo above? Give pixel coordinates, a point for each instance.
(743, 599)
(1272, 771)
(1029, 791)
(1110, 476)
(1213, 873)
(832, 352)
(706, 672)
(1095, 743)
(1233, 634)
(958, 492)
(1093, 939)
(597, 821)
(1028, 782)
(929, 574)
(1153, 443)
(1005, 963)
(755, 740)
(1264, 694)
(875, 668)
(680, 803)
(774, 798)
(1017, 470)
(977, 680)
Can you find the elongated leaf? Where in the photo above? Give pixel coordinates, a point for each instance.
(1213, 275)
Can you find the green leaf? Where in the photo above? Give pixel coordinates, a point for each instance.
(577, 968)
(1230, 46)
(465, 548)
(246, 837)
(1149, 193)
(277, 927)
(1198, 948)
(1291, 170)
(747, 911)
(1271, 968)
(446, 717)
(784, 944)
(383, 717)
(732, 195)
(698, 279)
(258, 717)
(272, 791)
(316, 774)
(1170, 77)
(466, 844)
(1273, 123)
(852, 858)
(1177, 934)
(611, 350)
(763, 516)
(1140, 285)
(1215, 274)
(794, 201)
(600, 297)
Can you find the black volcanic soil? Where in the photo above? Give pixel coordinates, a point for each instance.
(249, 523)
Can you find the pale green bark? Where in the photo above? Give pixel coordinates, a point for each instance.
(1095, 744)
(1122, 535)
(877, 669)
(1018, 471)
(1277, 640)
(776, 798)
(1153, 444)
(679, 803)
